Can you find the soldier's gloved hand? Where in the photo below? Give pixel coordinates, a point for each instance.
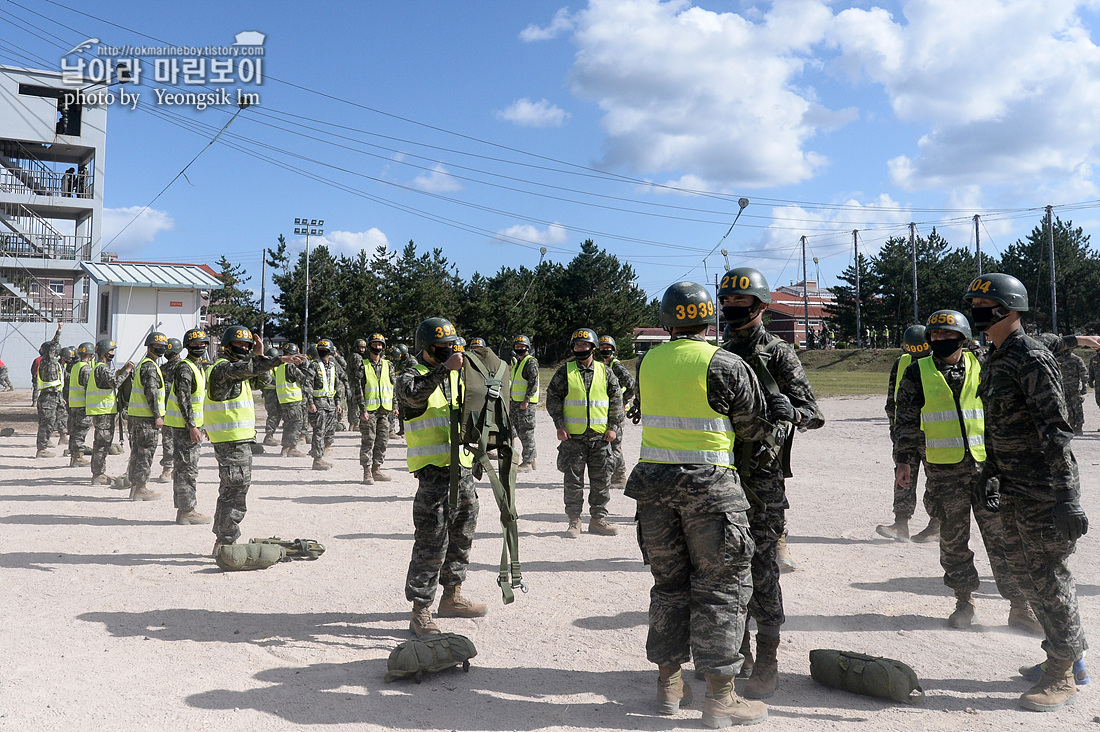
(987, 489)
(780, 408)
(1070, 518)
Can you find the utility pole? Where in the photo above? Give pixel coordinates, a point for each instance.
(978, 244)
(805, 299)
(859, 331)
(263, 298)
(913, 246)
(718, 310)
(1053, 285)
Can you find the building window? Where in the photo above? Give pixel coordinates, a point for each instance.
(57, 287)
(104, 312)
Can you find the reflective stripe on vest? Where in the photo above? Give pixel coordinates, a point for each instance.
(519, 384)
(232, 420)
(42, 385)
(76, 391)
(377, 390)
(139, 406)
(328, 380)
(429, 436)
(678, 424)
(903, 363)
(586, 409)
(96, 400)
(173, 417)
(288, 392)
(943, 419)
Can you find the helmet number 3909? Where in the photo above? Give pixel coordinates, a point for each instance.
(693, 311)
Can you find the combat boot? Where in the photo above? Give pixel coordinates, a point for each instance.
(270, 441)
(783, 556)
(1055, 689)
(898, 531)
(618, 480)
(218, 544)
(931, 532)
(102, 479)
(765, 672)
(44, 453)
(292, 452)
(525, 467)
(142, 494)
(746, 653)
(723, 708)
(672, 692)
(321, 464)
(368, 476)
(1022, 617)
(1080, 673)
(165, 476)
(377, 474)
(965, 611)
(191, 517)
(574, 530)
(599, 525)
(454, 604)
(422, 623)
(79, 462)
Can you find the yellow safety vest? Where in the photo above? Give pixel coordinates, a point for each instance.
(99, 401)
(678, 424)
(584, 409)
(233, 420)
(328, 380)
(943, 419)
(377, 390)
(519, 384)
(55, 384)
(173, 417)
(429, 436)
(288, 392)
(76, 391)
(903, 363)
(139, 407)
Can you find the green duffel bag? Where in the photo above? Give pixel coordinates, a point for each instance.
(295, 548)
(240, 557)
(430, 654)
(882, 678)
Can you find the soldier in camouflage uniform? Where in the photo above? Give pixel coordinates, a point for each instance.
(100, 403)
(744, 295)
(292, 405)
(271, 403)
(79, 422)
(48, 382)
(355, 374)
(696, 401)
(66, 360)
(953, 465)
(442, 536)
(343, 389)
(524, 400)
(376, 405)
(167, 457)
(405, 361)
(1028, 440)
(1075, 385)
(184, 419)
(1094, 372)
(608, 347)
(586, 404)
(229, 418)
(325, 403)
(146, 417)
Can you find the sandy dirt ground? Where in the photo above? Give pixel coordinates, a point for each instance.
(115, 618)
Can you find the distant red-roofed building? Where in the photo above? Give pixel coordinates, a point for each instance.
(788, 311)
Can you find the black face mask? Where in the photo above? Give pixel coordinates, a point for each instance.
(984, 317)
(583, 355)
(197, 351)
(376, 351)
(110, 357)
(158, 352)
(442, 353)
(737, 315)
(239, 351)
(606, 355)
(520, 352)
(944, 349)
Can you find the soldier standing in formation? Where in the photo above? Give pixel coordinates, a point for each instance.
(229, 417)
(442, 535)
(101, 404)
(168, 370)
(374, 393)
(1075, 385)
(79, 422)
(146, 417)
(405, 361)
(1094, 372)
(1028, 440)
(524, 400)
(744, 295)
(288, 379)
(184, 420)
(629, 390)
(48, 383)
(271, 403)
(696, 402)
(585, 402)
(937, 400)
(325, 404)
(65, 360)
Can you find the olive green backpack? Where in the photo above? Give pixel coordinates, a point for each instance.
(882, 678)
(430, 654)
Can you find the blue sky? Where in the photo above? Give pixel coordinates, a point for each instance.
(489, 129)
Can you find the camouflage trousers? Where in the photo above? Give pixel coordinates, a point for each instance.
(618, 471)
(374, 433)
(47, 417)
(905, 499)
(442, 537)
(79, 424)
(952, 488)
(1039, 558)
(1075, 405)
(767, 525)
(324, 428)
(61, 421)
(293, 422)
(702, 582)
(167, 448)
(274, 412)
(144, 439)
(234, 479)
(1096, 394)
(104, 425)
(576, 454)
(185, 468)
(523, 428)
(5, 380)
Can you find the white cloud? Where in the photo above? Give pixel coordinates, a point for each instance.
(437, 181)
(562, 23)
(555, 233)
(351, 242)
(526, 113)
(135, 236)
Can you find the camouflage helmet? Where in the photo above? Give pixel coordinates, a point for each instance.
(272, 352)
(1002, 288)
(434, 331)
(477, 342)
(87, 348)
(359, 343)
(157, 342)
(195, 337)
(325, 345)
(175, 348)
(687, 304)
(403, 348)
(68, 353)
(745, 281)
(290, 349)
(44, 348)
(311, 350)
(913, 341)
(236, 333)
(393, 352)
(521, 340)
(951, 320)
(583, 335)
(606, 340)
(376, 338)
(460, 344)
(104, 347)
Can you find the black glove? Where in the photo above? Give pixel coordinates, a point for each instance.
(1070, 518)
(780, 408)
(635, 413)
(987, 489)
